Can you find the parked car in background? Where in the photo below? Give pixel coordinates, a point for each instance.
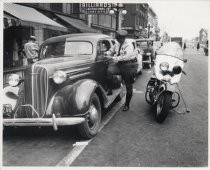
(66, 86)
(206, 48)
(156, 47)
(148, 52)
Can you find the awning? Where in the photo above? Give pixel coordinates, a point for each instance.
(78, 24)
(10, 21)
(31, 17)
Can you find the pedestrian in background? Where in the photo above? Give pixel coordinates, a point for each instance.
(198, 46)
(31, 50)
(184, 47)
(125, 64)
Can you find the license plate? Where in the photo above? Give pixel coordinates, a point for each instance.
(7, 108)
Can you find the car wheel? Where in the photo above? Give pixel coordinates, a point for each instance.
(89, 128)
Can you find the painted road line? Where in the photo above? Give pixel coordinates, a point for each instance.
(78, 147)
(71, 156)
(137, 91)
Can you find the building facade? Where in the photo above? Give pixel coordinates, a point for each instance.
(203, 36)
(152, 26)
(136, 19)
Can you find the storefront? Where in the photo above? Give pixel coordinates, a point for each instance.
(20, 23)
(76, 24)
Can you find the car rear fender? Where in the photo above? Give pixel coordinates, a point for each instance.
(73, 100)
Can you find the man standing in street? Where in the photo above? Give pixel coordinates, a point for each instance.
(31, 50)
(125, 64)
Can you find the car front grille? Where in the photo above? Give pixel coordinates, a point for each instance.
(36, 89)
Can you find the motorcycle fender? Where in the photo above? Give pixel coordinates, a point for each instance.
(72, 100)
(170, 87)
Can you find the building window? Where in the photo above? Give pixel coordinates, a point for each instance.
(113, 22)
(67, 8)
(56, 7)
(44, 5)
(95, 19)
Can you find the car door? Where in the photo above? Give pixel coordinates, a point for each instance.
(101, 63)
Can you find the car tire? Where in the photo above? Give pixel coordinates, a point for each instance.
(89, 128)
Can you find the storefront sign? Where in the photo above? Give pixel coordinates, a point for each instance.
(95, 8)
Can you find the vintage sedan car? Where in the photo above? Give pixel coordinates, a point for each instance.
(148, 52)
(66, 86)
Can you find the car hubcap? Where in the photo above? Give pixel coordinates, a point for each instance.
(93, 115)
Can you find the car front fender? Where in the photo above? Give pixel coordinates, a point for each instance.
(72, 100)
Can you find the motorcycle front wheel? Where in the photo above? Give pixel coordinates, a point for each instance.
(163, 106)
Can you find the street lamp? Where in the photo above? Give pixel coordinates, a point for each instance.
(149, 26)
(119, 8)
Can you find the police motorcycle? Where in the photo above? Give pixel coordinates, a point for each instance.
(162, 91)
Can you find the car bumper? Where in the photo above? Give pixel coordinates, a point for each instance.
(54, 122)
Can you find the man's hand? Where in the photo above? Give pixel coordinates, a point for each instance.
(108, 56)
(115, 60)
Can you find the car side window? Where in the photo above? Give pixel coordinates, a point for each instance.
(102, 47)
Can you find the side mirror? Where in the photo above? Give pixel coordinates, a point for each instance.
(177, 70)
(185, 60)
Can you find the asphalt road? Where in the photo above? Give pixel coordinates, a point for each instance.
(134, 139)
(129, 139)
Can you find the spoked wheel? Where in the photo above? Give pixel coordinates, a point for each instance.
(175, 100)
(90, 127)
(163, 106)
(148, 97)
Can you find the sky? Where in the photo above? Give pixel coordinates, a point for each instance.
(184, 19)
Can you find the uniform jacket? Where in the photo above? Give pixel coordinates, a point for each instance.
(126, 52)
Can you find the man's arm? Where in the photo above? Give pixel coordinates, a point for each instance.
(128, 54)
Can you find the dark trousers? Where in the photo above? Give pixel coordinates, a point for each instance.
(128, 71)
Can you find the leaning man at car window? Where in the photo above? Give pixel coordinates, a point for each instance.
(124, 57)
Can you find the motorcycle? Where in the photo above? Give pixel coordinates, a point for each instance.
(161, 91)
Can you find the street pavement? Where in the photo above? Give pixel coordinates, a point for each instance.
(129, 139)
(134, 139)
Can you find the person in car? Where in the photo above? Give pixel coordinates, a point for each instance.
(125, 64)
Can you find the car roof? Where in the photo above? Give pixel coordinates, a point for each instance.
(77, 36)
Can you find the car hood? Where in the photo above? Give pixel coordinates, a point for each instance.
(62, 63)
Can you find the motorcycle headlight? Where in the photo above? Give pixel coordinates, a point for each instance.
(164, 66)
(148, 53)
(14, 80)
(59, 77)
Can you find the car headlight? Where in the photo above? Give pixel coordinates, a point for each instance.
(59, 77)
(14, 80)
(164, 66)
(148, 53)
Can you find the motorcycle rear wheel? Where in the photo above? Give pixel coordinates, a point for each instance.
(163, 106)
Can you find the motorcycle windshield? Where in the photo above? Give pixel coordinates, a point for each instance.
(171, 49)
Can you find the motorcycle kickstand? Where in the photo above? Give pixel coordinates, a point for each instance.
(186, 109)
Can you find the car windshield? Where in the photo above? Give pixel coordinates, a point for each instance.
(143, 45)
(66, 49)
